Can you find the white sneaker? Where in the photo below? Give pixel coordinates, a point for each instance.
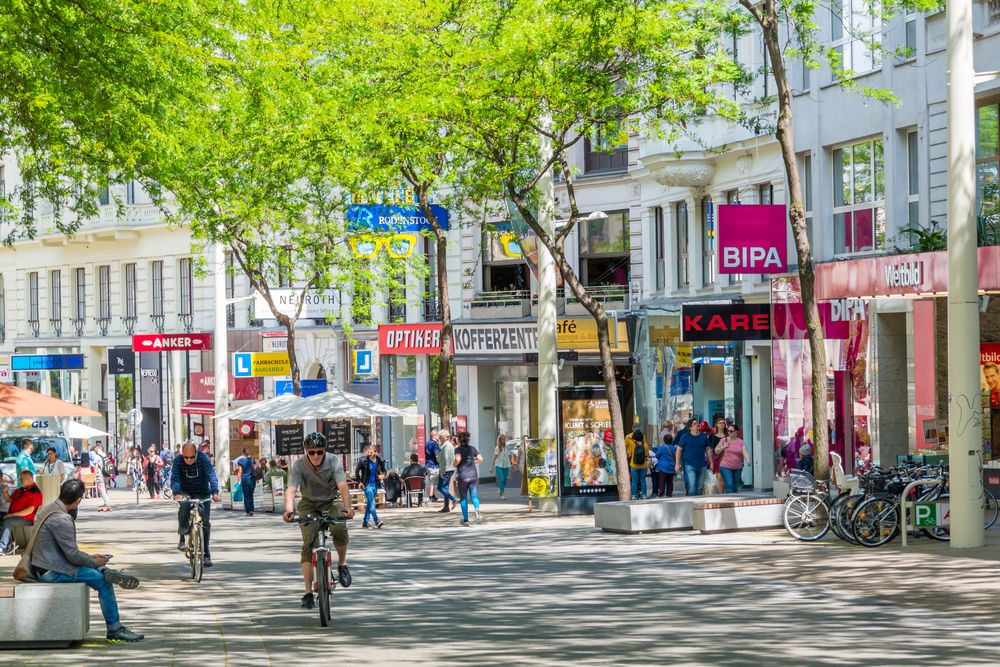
(479, 518)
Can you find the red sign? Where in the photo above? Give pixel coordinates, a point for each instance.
(730, 321)
(171, 342)
(788, 320)
(752, 238)
(202, 387)
(409, 338)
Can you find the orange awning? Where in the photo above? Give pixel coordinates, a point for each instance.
(17, 402)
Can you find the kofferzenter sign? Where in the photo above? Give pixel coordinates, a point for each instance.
(752, 238)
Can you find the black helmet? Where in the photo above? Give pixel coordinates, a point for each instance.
(315, 440)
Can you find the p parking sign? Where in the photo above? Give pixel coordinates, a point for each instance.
(929, 515)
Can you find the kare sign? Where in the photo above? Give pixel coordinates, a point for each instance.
(752, 238)
(725, 322)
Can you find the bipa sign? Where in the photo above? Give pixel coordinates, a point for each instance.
(752, 238)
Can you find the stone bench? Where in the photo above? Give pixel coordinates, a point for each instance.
(43, 615)
(717, 514)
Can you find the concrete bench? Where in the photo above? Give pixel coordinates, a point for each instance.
(643, 516)
(43, 615)
(716, 514)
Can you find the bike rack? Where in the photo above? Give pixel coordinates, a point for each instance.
(904, 504)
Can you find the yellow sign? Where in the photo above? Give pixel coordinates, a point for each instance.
(269, 364)
(683, 359)
(580, 333)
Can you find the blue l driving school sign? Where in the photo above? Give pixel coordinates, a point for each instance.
(384, 218)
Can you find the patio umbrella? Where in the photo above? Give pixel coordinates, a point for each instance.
(18, 402)
(78, 431)
(273, 409)
(337, 404)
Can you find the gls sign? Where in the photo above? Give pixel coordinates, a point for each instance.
(752, 238)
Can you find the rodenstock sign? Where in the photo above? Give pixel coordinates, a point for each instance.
(752, 238)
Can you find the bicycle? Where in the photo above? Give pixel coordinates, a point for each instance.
(324, 580)
(807, 509)
(194, 548)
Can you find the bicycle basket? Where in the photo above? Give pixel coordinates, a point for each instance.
(801, 480)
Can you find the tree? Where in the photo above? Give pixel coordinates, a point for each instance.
(795, 21)
(92, 91)
(524, 70)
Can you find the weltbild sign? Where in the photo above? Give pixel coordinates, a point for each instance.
(752, 238)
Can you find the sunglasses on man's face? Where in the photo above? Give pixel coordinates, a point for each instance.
(190, 458)
(316, 452)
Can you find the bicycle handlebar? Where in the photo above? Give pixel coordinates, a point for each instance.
(322, 519)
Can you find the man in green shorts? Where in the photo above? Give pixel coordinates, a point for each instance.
(323, 483)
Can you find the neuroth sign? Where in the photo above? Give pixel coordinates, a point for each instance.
(752, 238)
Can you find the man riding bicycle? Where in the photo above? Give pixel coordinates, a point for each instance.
(194, 477)
(323, 483)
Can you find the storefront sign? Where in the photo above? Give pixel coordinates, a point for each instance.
(752, 238)
(494, 339)
(409, 339)
(905, 274)
(275, 344)
(288, 439)
(379, 217)
(46, 362)
(121, 361)
(789, 319)
(306, 387)
(316, 304)
(171, 342)
(683, 356)
(261, 364)
(338, 436)
(723, 322)
(149, 377)
(588, 463)
(989, 371)
(6, 375)
(202, 387)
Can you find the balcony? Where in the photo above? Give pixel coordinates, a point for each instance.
(106, 225)
(506, 303)
(33, 325)
(129, 324)
(78, 326)
(187, 321)
(397, 312)
(103, 324)
(157, 321)
(56, 323)
(231, 316)
(432, 309)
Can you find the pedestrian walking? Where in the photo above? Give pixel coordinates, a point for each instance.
(665, 467)
(167, 456)
(694, 455)
(151, 469)
(432, 449)
(135, 465)
(99, 464)
(248, 482)
(733, 456)
(501, 464)
(447, 460)
(638, 462)
(467, 458)
(370, 471)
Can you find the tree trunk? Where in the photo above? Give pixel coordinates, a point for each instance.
(445, 368)
(768, 20)
(293, 361)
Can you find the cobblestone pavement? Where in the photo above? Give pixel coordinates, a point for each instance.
(529, 589)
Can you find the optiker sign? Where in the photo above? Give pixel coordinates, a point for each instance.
(752, 239)
(905, 274)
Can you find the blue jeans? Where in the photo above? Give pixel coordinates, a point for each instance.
(370, 492)
(638, 482)
(732, 478)
(443, 488)
(693, 479)
(94, 579)
(501, 477)
(248, 485)
(465, 490)
(7, 537)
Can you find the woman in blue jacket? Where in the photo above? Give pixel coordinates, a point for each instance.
(663, 471)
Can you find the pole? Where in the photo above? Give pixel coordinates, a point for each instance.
(548, 370)
(221, 365)
(964, 403)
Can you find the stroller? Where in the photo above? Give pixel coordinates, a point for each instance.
(393, 489)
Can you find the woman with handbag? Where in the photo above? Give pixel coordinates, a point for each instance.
(732, 454)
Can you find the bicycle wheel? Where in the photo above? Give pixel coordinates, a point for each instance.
(876, 521)
(807, 517)
(323, 590)
(990, 509)
(846, 512)
(197, 553)
(836, 522)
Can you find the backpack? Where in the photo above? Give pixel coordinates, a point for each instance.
(256, 472)
(639, 454)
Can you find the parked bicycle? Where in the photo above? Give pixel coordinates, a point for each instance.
(806, 513)
(324, 580)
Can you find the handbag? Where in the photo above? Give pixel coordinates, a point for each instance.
(22, 571)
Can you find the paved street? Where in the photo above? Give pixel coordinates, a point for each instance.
(524, 589)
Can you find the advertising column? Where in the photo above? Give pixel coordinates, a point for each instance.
(586, 467)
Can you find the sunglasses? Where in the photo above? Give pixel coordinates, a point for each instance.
(397, 245)
(190, 458)
(316, 452)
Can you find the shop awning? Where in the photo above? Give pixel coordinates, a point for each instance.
(198, 408)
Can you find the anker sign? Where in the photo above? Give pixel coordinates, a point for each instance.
(723, 322)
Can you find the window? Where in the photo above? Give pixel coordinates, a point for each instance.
(156, 269)
(104, 292)
(681, 245)
(285, 267)
(765, 193)
(733, 197)
(765, 70)
(3, 183)
(130, 192)
(858, 197)
(708, 259)
(55, 294)
(988, 171)
(33, 296)
(3, 312)
(361, 302)
(602, 152)
(504, 267)
(910, 34)
(604, 250)
(855, 35)
(103, 195)
(659, 248)
(131, 306)
(186, 302)
(806, 180)
(80, 310)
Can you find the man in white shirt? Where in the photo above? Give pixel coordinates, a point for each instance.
(447, 461)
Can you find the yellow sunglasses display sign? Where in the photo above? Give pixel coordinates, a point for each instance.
(398, 246)
(510, 245)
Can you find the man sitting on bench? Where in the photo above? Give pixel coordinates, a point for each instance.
(56, 558)
(24, 502)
